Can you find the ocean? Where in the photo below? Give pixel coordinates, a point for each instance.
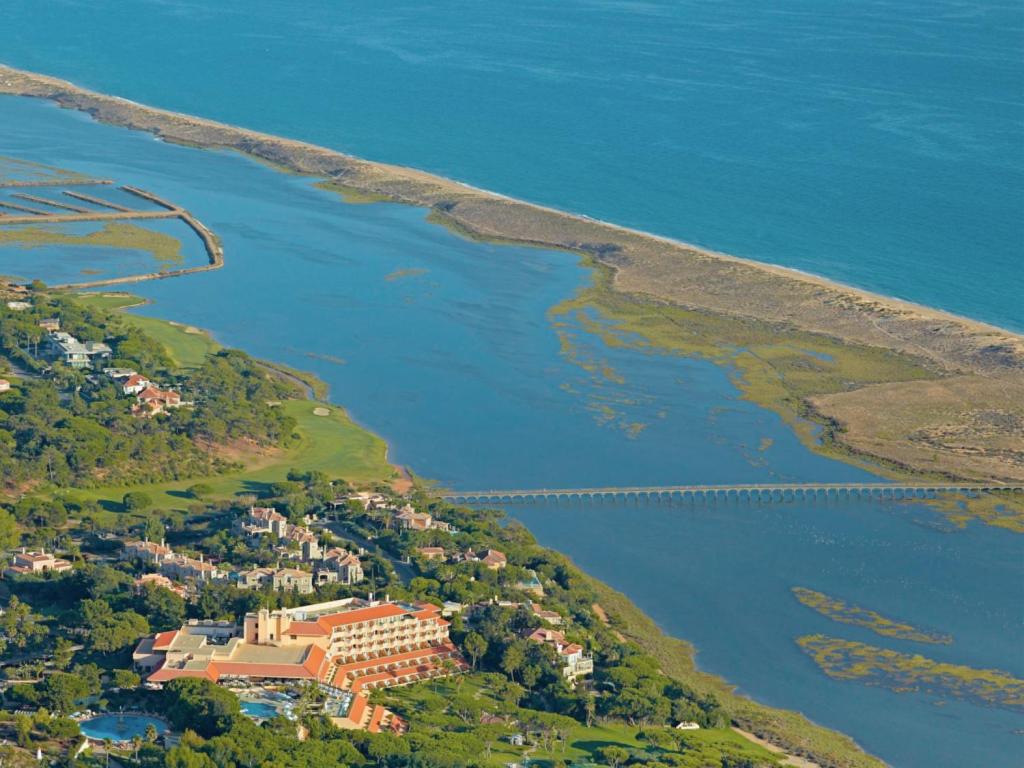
(876, 143)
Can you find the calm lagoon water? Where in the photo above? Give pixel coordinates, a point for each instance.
(880, 143)
(120, 727)
(444, 347)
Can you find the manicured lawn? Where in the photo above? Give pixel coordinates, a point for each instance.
(186, 346)
(333, 444)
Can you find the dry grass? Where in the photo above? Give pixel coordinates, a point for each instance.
(967, 426)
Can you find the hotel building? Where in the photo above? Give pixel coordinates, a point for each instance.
(348, 646)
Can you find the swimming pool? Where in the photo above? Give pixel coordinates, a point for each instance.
(120, 727)
(259, 710)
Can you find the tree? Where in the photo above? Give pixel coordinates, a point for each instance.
(23, 727)
(153, 530)
(200, 704)
(136, 501)
(385, 746)
(163, 608)
(186, 757)
(125, 678)
(110, 631)
(61, 690)
(200, 490)
(589, 709)
(530, 675)
(19, 626)
(63, 652)
(613, 756)
(8, 530)
(512, 660)
(475, 645)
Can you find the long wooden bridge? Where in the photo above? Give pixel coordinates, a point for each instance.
(751, 491)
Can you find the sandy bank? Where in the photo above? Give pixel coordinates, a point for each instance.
(659, 276)
(656, 267)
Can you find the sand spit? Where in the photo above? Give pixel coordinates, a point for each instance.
(657, 267)
(646, 267)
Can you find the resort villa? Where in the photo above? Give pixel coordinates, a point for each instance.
(348, 646)
(146, 552)
(409, 519)
(574, 663)
(153, 400)
(287, 579)
(66, 348)
(25, 563)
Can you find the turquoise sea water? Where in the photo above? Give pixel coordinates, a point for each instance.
(879, 143)
(444, 348)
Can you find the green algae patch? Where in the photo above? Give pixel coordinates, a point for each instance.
(845, 613)
(14, 169)
(1004, 510)
(912, 673)
(164, 248)
(351, 194)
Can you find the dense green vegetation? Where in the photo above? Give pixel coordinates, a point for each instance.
(68, 427)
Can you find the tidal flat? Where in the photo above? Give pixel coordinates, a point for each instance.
(164, 249)
(910, 673)
(846, 613)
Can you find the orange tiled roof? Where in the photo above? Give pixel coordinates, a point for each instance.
(163, 640)
(314, 662)
(361, 614)
(166, 673)
(306, 629)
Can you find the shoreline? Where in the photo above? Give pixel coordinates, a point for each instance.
(681, 291)
(797, 740)
(626, 250)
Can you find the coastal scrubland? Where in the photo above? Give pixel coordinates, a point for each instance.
(252, 422)
(799, 345)
(445, 705)
(880, 341)
(330, 443)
